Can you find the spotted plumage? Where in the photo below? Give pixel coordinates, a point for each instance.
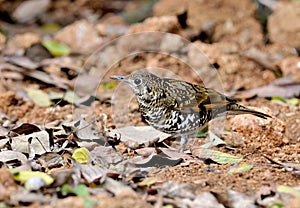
(178, 107)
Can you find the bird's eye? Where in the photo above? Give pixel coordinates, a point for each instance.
(137, 81)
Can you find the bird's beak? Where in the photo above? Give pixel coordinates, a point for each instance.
(120, 78)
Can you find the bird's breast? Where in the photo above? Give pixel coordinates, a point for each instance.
(170, 121)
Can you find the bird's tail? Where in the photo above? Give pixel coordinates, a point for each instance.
(235, 109)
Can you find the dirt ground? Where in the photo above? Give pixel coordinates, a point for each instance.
(226, 32)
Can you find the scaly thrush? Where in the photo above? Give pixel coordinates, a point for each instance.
(178, 107)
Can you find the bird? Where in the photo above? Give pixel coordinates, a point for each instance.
(178, 107)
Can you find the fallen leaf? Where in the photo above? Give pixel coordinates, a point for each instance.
(135, 136)
(289, 89)
(8, 155)
(105, 156)
(216, 156)
(173, 189)
(56, 95)
(50, 28)
(289, 190)
(261, 58)
(40, 142)
(110, 85)
(24, 128)
(92, 173)
(86, 132)
(243, 167)
(214, 141)
(174, 154)
(80, 190)
(51, 160)
(50, 79)
(238, 200)
(24, 176)
(30, 197)
(148, 181)
(292, 101)
(146, 151)
(55, 48)
(66, 176)
(71, 96)
(157, 161)
(39, 97)
(81, 155)
(22, 61)
(205, 198)
(117, 187)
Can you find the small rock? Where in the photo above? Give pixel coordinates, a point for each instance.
(284, 24)
(29, 10)
(169, 7)
(171, 43)
(80, 36)
(111, 30)
(20, 42)
(110, 55)
(262, 131)
(2, 40)
(144, 41)
(197, 54)
(26, 40)
(111, 25)
(295, 203)
(289, 66)
(161, 24)
(112, 19)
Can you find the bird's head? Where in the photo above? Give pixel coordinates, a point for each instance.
(143, 84)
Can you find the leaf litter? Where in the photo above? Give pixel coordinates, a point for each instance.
(98, 163)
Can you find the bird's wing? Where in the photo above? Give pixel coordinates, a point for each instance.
(188, 98)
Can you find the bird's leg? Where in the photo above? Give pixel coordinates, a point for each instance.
(183, 141)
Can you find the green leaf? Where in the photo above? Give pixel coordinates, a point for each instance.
(50, 28)
(56, 95)
(276, 204)
(81, 155)
(71, 96)
(110, 85)
(24, 176)
(279, 99)
(202, 133)
(289, 190)
(243, 167)
(55, 48)
(293, 101)
(39, 97)
(216, 156)
(148, 181)
(89, 203)
(80, 190)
